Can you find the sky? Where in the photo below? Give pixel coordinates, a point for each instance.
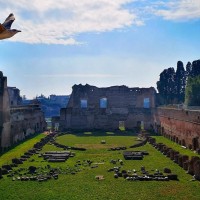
(98, 42)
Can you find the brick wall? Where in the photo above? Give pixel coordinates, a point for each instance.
(123, 104)
(182, 126)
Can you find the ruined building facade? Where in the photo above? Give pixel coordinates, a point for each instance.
(25, 121)
(14, 96)
(5, 123)
(16, 121)
(92, 108)
(108, 108)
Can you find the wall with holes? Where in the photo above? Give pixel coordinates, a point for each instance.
(181, 126)
(91, 107)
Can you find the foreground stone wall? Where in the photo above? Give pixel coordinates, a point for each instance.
(17, 122)
(181, 126)
(123, 105)
(4, 113)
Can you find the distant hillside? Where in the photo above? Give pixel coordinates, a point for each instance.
(50, 105)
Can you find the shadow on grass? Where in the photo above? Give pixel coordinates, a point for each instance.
(86, 133)
(98, 133)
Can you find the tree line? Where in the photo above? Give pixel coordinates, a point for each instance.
(181, 85)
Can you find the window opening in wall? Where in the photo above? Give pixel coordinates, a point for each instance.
(146, 103)
(138, 125)
(122, 126)
(24, 132)
(83, 103)
(142, 125)
(195, 143)
(56, 126)
(103, 103)
(183, 143)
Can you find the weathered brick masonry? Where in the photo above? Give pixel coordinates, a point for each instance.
(181, 126)
(25, 121)
(16, 121)
(91, 107)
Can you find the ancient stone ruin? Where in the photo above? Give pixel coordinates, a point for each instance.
(192, 166)
(57, 156)
(17, 121)
(109, 108)
(134, 155)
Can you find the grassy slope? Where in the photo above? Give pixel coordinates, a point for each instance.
(19, 150)
(174, 146)
(84, 186)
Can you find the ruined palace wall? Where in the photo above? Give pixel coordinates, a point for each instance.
(76, 119)
(123, 104)
(182, 126)
(17, 122)
(25, 121)
(118, 96)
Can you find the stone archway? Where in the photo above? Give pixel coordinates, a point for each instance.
(183, 143)
(122, 125)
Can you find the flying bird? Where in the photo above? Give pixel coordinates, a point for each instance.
(5, 31)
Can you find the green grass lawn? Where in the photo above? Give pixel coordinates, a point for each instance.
(84, 186)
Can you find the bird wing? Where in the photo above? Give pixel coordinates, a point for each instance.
(2, 28)
(9, 20)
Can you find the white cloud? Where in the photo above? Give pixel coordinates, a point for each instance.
(181, 10)
(59, 22)
(62, 21)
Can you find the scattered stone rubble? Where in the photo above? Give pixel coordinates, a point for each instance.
(35, 174)
(192, 166)
(134, 155)
(140, 143)
(117, 148)
(6, 169)
(57, 156)
(143, 174)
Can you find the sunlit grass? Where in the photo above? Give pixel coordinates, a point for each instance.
(19, 150)
(84, 186)
(110, 133)
(88, 133)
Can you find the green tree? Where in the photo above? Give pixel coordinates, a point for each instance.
(192, 94)
(166, 85)
(180, 82)
(195, 69)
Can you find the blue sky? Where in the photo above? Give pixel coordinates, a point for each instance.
(102, 43)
